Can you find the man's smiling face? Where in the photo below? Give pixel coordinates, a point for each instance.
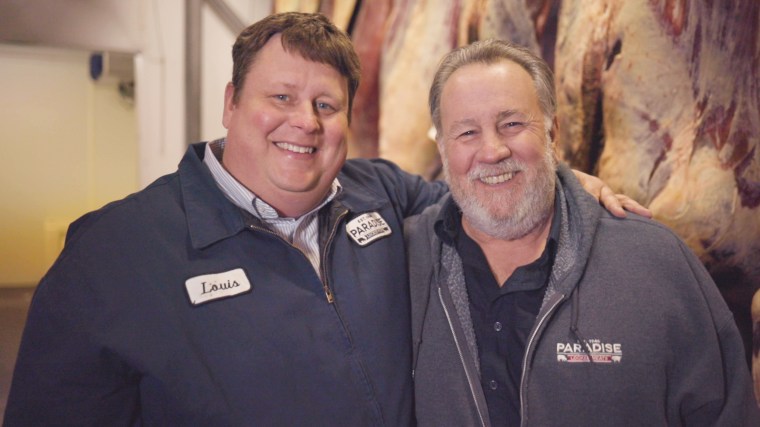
(286, 134)
(496, 148)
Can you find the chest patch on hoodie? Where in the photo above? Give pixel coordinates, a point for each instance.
(591, 350)
(209, 287)
(367, 228)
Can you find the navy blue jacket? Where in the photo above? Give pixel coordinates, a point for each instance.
(113, 338)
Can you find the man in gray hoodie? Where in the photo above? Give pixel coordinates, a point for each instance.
(533, 306)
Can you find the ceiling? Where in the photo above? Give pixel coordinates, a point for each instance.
(80, 24)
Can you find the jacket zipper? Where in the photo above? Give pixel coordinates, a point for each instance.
(528, 350)
(325, 282)
(328, 292)
(331, 300)
(461, 358)
(323, 279)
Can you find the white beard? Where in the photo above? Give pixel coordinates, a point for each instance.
(507, 215)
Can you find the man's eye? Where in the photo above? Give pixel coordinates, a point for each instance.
(467, 133)
(323, 106)
(281, 97)
(511, 124)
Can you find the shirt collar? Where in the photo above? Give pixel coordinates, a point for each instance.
(241, 196)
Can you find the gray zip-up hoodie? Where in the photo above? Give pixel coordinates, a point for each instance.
(632, 330)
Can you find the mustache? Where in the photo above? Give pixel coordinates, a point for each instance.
(510, 165)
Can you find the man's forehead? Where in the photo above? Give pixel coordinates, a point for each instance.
(505, 83)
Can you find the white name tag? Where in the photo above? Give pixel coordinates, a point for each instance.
(210, 287)
(367, 228)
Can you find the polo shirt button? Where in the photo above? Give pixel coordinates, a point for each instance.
(493, 384)
(497, 326)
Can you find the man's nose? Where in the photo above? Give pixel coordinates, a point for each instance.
(494, 148)
(305, 117)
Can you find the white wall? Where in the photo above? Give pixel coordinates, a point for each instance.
(68, 147)
(160, 88)
(216, 54)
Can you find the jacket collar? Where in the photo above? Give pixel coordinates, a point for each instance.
(210, 216)
(580, 215)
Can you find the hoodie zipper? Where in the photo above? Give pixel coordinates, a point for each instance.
(461, 358)
(528, 350)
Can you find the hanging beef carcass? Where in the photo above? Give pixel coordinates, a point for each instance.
(420, 32)
(518, 21)
(339, 11)
(306, 6)
(368, 34)
(661, 99)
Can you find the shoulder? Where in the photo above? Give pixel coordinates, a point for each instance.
(426, 219)
(372, 172)
(162, 196)
(641, 242)
(384, 180)
(420, 234)
(638, 232)
(129, 228)
(660, 262)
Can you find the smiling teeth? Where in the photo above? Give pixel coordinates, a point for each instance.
(498, 179)
(295, 148)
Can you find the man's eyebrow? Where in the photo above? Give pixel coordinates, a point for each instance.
(463, 122)
(507, 114)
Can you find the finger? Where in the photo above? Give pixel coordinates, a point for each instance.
(609, 200)
(633, 206)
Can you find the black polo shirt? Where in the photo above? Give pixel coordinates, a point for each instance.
(502, 316)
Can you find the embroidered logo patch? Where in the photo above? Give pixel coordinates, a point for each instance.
(599, 352)
(209, 287)
(367, 228)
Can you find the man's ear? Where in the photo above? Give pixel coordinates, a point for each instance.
(439, 144)
(435, 136)
(554, 134)
(554, 131)
(229, 104)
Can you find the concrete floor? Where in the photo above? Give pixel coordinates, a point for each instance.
(14, 304)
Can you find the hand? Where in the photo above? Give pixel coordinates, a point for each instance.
(617, 204)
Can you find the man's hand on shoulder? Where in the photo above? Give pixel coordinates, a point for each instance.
(617, 204)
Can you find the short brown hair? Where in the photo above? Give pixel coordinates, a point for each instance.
(311, 35)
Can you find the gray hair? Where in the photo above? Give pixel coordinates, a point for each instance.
(489, 52)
